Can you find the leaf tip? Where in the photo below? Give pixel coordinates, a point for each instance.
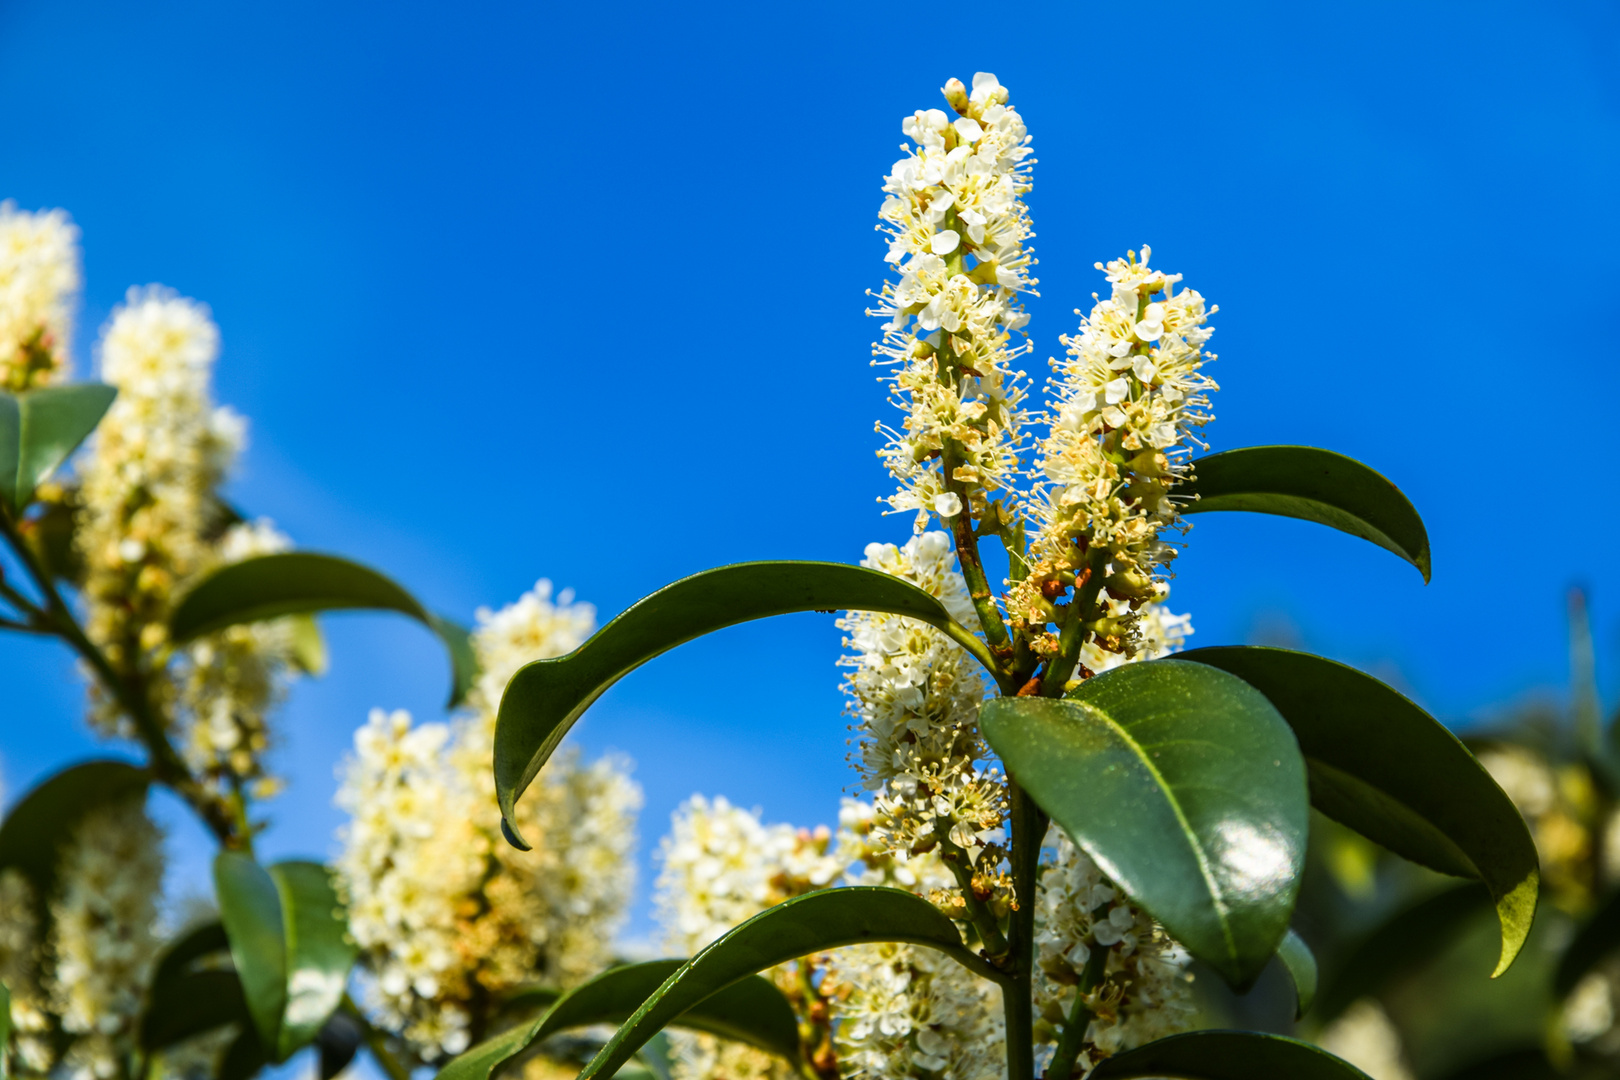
(1516, 910)
(514, 837)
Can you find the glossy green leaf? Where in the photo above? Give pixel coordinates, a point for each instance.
(39, 429)
(1227, 1055)
(1300, 963)
(181, 957)
(1315, 485)
(545, 698)
(302, 583)
(751, 1010)
(32, 834)
(1594, 942)
(190, 1005)
(1402, 943)
(823, 920)
(250, 908)
(1393, 773)
(1185, 787)
(318, 951)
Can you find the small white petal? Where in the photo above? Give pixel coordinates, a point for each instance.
(947, 504)
(946, 242)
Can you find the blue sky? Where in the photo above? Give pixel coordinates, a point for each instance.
(577, 292)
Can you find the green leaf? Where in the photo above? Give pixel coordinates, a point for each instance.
(39, 429)
(250, 908)
(180, 957)
(1300, 962)
(302, 583)
(1402, 943)
(823, 920)
(308, 646)
(1228, 1055)
(243, 1058)
(192, 1004)
(288, 942)
(545, 698)
(319, 953)
(337, 1043)
(185, 999)
(1314, 485)
(1393, 773)
(751, 1010)
(1596, 940)
(32, 834)
(1185, 787)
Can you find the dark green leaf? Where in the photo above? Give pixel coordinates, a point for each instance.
(1402, 943)
(545, 698)
(302, 583)
(1596, 940)
(39, 429)
(1315, 485)
(180, 957)
(37, 826)
(1228, 1055)
(807, 924)
(319, 954)
(1300, 963)
(1393, 773)
(1186, 788)
(752, 1010)
(244, 1057)
(250, 908)
(339, 1040)
(191, 1004)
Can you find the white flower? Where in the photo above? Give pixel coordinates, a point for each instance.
(39, 280)
(103, 935)
(445, 911)
(957, 229)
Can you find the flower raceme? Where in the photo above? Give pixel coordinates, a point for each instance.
(39, 281)
(957, 228)
(1125, 406)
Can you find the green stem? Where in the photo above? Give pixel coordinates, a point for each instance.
(1076, 627)
(166, 764)
(1027, 831)
(983, 919)
(1073, 1039)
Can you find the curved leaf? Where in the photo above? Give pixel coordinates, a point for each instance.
(337, 1043)
(1314, 485)
(47, 815)
(1185, 787)
(807, 924)
(200, 1001)
(1300, 962)
(545, 698)
(250, 908)
(178, 959)
(318, 950)
(39, 429)
(752, 1010)
(1228, 1055)
(1390, 771)
(302, 583)
(1593, 943)
(1404, 942)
